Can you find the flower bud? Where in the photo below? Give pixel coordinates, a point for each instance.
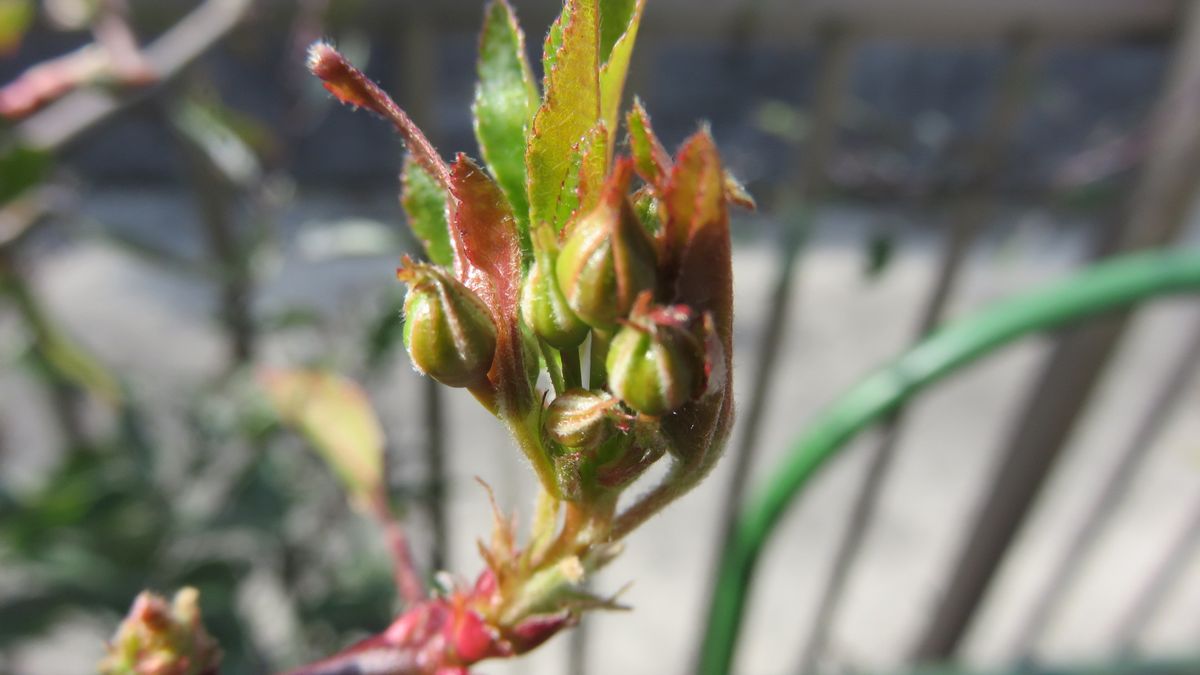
(157, 637)
(578, 418)
(608, 257)
(656, 361)
(543, 306)
(448, 330)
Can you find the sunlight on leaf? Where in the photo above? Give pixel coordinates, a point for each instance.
(335, 415)
(616, 65)
(571, 107)
(505, 101)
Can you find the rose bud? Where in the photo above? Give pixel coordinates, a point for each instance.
(543, 306)
(582, 419)
(656, 361)
(608, 257)
(448, 330)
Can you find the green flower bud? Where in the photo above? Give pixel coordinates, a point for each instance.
(543, 306)
(656, 361)
(448, 330)
(608, 258)
(578, 418)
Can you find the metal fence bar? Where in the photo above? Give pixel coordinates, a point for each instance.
(1110, 496)
(836, 60)
(1164, 577)
(1158, 211)
(975, 208)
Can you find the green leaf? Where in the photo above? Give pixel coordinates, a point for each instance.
(594, 150)
(77, 366)
(336, 417)
(57, 353)
(15, 17)
(616, 64)
(571, 107)
(581, 189)
(20, 169)
(223, 147)
(615, 17)
(505, 100)
(425, 203)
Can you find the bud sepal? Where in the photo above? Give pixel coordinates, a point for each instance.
(656, 361)
(608, 257)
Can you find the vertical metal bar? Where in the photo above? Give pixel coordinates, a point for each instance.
(1110, 496)
(1157, 212)
(974, 209)
(837, 49)
(1164, 577)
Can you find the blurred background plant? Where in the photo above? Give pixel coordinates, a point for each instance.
(180, 205)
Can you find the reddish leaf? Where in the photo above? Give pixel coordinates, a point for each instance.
(487, 258)
(694, 197)
(650, 156)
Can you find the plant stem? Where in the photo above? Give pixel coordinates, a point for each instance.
(552, 366)
(597, 375)
(408, 581)
(572, 368)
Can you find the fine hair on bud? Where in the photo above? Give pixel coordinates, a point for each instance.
(448, 330)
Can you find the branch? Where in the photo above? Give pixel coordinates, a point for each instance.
(67, 120)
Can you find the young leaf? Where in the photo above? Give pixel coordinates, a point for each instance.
(425, 203)
(615, 17)
(571, 107)
(488, 261)
(649, 156)
(505, 101)
(593, 166)
(696, 238)
(335, 415)
(487, 252)
(616, 64)
(581, 187)
(695, 192)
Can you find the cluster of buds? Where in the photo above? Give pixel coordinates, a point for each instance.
(581, 289)
(158, 638)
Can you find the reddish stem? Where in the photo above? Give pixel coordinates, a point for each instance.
(408, 581)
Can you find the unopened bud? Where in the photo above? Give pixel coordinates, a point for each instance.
(448, 330)
(656, 361)
(159, 638)
(582, 419)
(608, 258)
(542, 303)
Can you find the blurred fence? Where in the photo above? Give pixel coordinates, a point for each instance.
(1161, 158)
